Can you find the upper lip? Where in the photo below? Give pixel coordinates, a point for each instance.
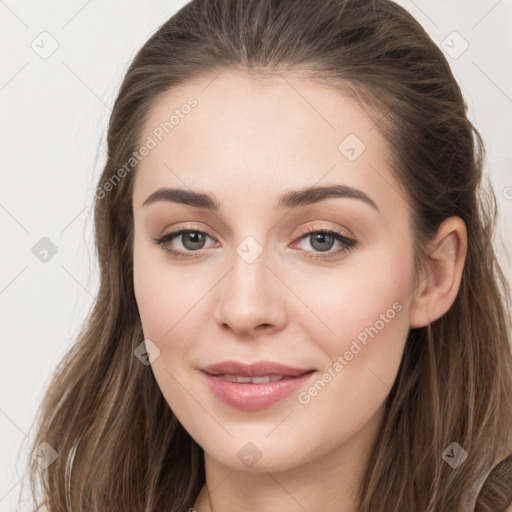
(256, 369)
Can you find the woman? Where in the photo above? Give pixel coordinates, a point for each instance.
(339, 340)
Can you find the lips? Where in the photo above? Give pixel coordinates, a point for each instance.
(255, 380)
(257, 369)
(255, 386)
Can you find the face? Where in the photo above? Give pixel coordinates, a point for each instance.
(321, 282)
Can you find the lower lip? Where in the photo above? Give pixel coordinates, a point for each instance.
(252, 397)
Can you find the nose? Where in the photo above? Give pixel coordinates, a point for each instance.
(250, 298)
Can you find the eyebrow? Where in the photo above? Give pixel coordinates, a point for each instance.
(291, 199)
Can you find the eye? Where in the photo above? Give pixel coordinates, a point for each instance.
(192, 240)
(321, 241)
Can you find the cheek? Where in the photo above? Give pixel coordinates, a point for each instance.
(364, 315)
(165, 304)
(361, 363)
(363, 356)
(368, 324)
(151, 301)
(164, 295)
(173, 308)
(359, 303)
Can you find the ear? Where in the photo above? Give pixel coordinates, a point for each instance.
(440, 283)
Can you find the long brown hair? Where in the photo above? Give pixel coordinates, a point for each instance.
(455, 379)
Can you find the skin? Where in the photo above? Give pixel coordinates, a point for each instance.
(246, 143)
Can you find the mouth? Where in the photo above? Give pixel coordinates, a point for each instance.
(257, 369)
(241, 379)
(257, 386)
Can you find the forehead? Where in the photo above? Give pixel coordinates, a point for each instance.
(264, 132)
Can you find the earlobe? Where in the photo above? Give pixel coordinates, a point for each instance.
(440, 283)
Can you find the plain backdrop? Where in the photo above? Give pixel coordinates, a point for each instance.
(62, 64)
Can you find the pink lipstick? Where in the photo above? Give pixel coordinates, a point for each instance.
(254, 386)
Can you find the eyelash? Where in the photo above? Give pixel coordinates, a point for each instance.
(349, 243)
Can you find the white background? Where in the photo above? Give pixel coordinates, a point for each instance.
(54, 114)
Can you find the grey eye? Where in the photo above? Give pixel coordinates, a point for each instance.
(192, 240)
(321, 241)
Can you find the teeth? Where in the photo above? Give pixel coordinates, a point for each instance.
(260, 380)
(254, 380)
(231, 378)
